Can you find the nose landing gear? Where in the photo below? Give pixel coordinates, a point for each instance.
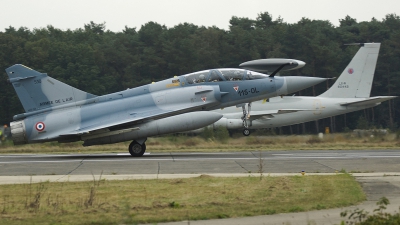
(246, 119)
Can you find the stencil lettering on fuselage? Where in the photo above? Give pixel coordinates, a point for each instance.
(343, 85)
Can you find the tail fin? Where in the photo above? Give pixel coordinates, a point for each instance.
(38, 91)
(356, 80)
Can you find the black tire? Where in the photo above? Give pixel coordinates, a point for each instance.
(246, 132)
(136, 149)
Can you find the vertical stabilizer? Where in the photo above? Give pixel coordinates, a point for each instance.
(356, 80)
(38, 91)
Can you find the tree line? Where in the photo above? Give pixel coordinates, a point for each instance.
(100, 61)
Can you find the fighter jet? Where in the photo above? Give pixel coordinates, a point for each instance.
(55, 111)
(350, 92)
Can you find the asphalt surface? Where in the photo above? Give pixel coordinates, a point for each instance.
(324, 161)
(378, 172)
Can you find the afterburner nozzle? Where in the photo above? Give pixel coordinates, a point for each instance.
(298, 83)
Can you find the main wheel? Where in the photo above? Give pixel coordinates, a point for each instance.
(136, 149)
(246, 132)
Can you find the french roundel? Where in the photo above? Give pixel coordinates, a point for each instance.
(40, 126)
(350, 71)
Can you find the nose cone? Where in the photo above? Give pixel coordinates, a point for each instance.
(295, 84)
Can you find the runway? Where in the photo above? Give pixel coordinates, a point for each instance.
(315, 161)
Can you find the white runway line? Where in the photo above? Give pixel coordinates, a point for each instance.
(128, 154)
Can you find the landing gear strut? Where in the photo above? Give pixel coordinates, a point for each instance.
(246, 119)
(137, 148)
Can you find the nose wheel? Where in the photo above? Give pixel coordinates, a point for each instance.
(136, 149)
(246, 132)
(246, 119)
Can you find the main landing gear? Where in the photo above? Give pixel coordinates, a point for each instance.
(246, 119)
(137, 147)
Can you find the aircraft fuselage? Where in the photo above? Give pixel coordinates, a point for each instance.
(130, 114)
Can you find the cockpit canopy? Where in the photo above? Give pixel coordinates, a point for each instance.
(218, 75)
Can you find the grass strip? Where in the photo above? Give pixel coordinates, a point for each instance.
(152, 201)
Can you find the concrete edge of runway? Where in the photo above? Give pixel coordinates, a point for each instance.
(79, 178)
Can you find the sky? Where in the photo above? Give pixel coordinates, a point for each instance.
(73, 14)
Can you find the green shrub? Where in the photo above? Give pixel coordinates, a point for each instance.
(221, 134)
(208, 133)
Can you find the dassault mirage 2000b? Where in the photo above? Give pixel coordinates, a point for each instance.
(55, 111)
